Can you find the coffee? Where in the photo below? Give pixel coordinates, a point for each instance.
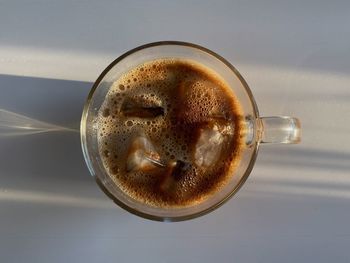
(170, 133)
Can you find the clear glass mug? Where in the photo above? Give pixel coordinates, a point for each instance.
(259, 130)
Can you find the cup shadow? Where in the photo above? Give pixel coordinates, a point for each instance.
(52, 161)
(49, 162)
(301, 157)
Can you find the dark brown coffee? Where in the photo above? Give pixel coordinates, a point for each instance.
(170, 133)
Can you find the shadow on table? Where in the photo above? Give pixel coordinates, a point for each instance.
(299, 172)
(41, 158)
(299, 157)
(51, 152)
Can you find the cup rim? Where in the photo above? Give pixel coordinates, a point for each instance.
(84, 144)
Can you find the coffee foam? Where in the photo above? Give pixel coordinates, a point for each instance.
(190, 95)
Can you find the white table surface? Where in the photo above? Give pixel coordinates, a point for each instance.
(295, 207)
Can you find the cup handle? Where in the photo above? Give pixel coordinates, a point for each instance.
(279, 129)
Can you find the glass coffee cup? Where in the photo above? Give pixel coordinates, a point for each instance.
(258, 130)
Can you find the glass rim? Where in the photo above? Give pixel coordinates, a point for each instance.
(85, 146)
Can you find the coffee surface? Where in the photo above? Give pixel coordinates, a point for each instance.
(170, 133)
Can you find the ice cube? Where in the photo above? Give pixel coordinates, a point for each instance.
(208, 146)
(141, 107)
(175, 171)
(142, 155)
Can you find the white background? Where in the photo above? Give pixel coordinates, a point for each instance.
(295, 206)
